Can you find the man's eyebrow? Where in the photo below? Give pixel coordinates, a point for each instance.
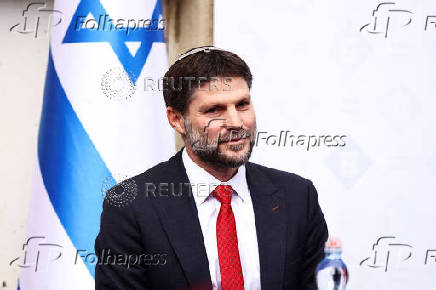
(211, 105)
(218, 104)
(246, 98)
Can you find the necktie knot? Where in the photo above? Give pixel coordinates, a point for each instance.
(223, 193)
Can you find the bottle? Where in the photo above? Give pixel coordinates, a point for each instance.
(331, 273)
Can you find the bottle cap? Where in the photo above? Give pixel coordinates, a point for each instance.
(333, 243)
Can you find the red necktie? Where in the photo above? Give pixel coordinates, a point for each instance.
(227, 240)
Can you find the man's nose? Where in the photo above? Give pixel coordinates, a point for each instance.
(233, 119)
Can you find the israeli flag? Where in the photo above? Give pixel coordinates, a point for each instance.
(99, 125)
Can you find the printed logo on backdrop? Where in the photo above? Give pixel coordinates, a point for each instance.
(119, 34)
(37, 20)
(399, 103)
(352, 52)
(388, 254)
(349, 164)
(388, 17)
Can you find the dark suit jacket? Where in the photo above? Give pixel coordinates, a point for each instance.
(163, 226)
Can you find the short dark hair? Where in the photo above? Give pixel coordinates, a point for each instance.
(208, 63)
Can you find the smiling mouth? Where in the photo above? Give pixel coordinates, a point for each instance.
(235, 140)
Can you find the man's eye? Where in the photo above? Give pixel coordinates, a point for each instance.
(244, 103)
(211, 110)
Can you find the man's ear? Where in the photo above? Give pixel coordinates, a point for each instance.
(176, 120)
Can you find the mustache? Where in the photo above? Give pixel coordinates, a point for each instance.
(234, 135)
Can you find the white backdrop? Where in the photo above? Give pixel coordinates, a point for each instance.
(333, 68)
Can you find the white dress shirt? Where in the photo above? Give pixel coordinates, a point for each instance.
(208, 207)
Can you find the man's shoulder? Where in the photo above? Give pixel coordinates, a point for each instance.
(158, 172)
(135, 187)
(276, 174)
(297, 189)
(279, 177)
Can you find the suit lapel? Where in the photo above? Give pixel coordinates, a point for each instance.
(269, 210)
(180, 221)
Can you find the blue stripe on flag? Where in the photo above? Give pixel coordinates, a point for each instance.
(72, 169)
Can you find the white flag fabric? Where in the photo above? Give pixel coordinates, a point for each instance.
(99, 125)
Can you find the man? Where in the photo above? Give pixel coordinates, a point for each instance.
(207, 218)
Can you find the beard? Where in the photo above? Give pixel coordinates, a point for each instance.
(208, 149)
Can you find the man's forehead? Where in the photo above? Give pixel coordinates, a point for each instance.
(229, 92)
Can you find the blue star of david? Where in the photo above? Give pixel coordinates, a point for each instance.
(133, 65)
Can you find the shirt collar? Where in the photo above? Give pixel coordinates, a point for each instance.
(203, 183)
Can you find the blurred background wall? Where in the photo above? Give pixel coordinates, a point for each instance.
(360, 72)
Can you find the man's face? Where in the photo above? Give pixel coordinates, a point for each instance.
(220, 123)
